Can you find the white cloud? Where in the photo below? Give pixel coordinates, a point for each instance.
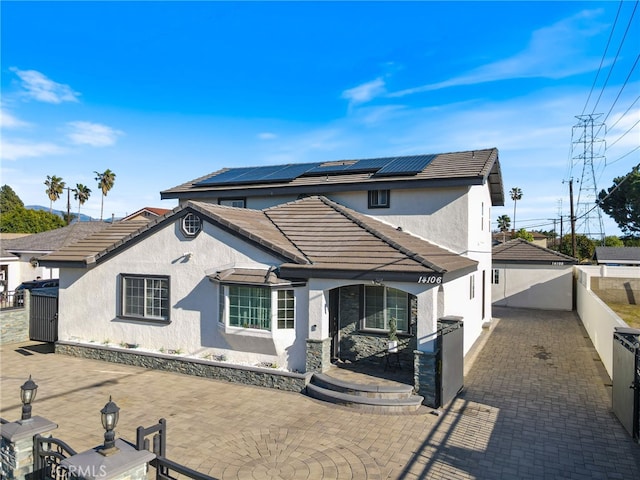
(267, 136)
(94, 134)
(7, 120)
(43, 89)
(15, 151)
(556, 51)
(365, 92)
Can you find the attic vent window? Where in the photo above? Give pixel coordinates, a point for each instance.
(191, 225)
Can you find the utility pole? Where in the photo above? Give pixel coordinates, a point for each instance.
(573, 221)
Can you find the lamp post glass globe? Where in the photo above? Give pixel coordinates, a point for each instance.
(28, 392)
(109, 416)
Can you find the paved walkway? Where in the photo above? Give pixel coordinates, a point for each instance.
(535, 407)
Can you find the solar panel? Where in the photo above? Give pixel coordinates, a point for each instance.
(405, 165)
(348, 166)
(266, 174)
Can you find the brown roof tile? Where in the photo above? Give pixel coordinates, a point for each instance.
(521, 251)
(311, 234)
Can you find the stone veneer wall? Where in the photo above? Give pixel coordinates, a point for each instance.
(14, 323)
(366, 347)
(426, 377)
(262, 377)
(318, 355)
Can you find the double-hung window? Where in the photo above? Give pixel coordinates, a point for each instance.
(381, 304)
(145, 297)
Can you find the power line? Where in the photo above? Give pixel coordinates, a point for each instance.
(626, 111)
(604, 55)
(616, 57)
(624, 134)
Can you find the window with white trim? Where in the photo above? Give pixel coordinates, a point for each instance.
(383, 303)
(379, 198)
(191, 225)
(286, 309)
(249, 306)
(145, 297)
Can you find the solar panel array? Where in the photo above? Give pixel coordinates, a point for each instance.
(388, 166)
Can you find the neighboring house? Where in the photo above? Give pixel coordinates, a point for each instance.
(526, 275)
(20, 254)
(146, 213)
(297, 264)
(617, 256)
(539, 239)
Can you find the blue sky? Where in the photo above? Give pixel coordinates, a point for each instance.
(162, 93)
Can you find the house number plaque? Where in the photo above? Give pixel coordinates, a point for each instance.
(430, 279)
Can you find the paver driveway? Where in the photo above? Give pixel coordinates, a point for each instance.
(535, 406)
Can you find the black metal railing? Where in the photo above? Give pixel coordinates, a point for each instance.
(48, 453)
(11, 299)
(165, 468)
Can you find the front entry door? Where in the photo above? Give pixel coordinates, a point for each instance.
(334, 330)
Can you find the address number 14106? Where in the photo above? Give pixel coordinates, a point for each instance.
(430, 279)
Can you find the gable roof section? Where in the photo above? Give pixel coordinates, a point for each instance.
(314, 236)
(620, 255)
(340, 242)
(149, 211)
(52, 240)
(91, 248)
(417, 171)
(520, 251)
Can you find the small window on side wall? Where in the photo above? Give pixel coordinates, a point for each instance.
(191, 225)
(232, 202)
(379, 198)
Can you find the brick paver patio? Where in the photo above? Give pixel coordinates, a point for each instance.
(535, 406)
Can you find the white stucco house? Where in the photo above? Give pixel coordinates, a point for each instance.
(526, 275)
(298, 265)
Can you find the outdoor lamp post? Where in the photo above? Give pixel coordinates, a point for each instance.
(109, 416)
(28, 392)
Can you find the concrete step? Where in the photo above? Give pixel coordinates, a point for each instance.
(371, 404)
(383, 390)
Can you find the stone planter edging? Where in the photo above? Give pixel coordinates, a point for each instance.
(261, 377)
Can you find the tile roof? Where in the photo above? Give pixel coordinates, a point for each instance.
(457, 168)
(334, 237)
(629, 255)
(519, 250)
(249, 276)
(93, 247)
(153, 210)
(53, 239)
(311, 235)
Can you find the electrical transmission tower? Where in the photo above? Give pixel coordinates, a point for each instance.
(587, 153)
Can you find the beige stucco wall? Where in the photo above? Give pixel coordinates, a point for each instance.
(548, 287)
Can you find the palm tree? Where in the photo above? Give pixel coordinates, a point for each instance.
(105, 180)
(55, 187)
(516, 194)
(81, 193)
(504, 222)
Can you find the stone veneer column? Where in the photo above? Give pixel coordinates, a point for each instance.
(16, 446)
(318, 355)
(425, 368)
(126, 463)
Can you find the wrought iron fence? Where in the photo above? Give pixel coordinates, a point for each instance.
(165, 468)
(48, 452)
(11, 299)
